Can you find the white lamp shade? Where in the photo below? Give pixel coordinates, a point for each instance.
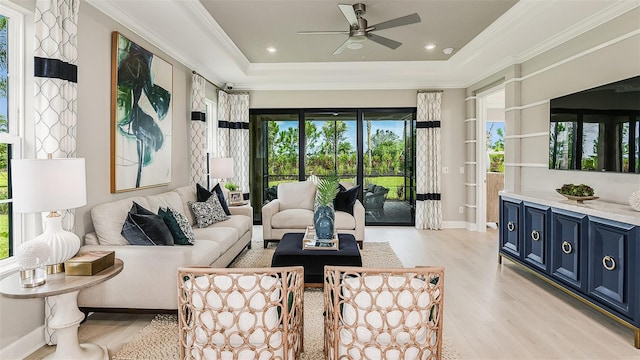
(48, 184)
(221, 168)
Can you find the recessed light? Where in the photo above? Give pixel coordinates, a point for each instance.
(430, 46)
(447, 51)
(271, 49)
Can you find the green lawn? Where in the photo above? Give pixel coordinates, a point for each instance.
(4, 218)
(4, 236)
(390, 182)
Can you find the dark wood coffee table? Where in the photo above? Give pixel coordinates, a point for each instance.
(290, 253)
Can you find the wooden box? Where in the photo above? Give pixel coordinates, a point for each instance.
(89, 263)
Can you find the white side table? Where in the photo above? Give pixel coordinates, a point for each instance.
(67, 317)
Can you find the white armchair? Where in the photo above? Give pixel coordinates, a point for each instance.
(292, 211)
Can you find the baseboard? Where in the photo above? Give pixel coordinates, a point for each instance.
(25, 345)
(472, 226)
(454, 224)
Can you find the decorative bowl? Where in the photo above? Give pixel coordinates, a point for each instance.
(579, 199)
(634, 200)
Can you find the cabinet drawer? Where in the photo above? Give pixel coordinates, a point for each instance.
(534, 236)
(608, 267)
(568, 237)
(510, 226)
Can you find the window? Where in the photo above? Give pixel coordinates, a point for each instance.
(11, 23)
(372, 148)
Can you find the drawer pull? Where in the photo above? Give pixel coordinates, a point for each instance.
(511, 226)
(535, 235)
(566, 247)
(608, 262)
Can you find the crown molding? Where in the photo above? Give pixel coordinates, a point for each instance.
(219, 60)
(112, 10)
(580, 28)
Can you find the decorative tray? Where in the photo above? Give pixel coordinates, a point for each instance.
(577, 198)
(309, 241)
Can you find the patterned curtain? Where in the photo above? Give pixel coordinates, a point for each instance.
(198, 132)
(233, 135)
(56, 93)
(428, 204)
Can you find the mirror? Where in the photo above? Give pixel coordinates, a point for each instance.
(597, 129)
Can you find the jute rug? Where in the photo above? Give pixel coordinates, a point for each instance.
(159, 339)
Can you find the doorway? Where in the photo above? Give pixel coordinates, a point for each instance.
(490, 156)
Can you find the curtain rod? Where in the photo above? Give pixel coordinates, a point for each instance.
(207, 80)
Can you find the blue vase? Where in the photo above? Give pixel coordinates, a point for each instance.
(323, 221)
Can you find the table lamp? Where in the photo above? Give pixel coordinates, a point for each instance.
(46, 185)
(221, 168)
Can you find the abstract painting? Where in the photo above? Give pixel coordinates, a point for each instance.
(141, 117)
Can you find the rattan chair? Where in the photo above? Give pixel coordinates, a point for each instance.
(234, 313)
(383, 313)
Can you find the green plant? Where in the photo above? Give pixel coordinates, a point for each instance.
(231, 186)
(327, 189)
(576, 190)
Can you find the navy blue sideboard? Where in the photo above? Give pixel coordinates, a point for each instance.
(588, 253)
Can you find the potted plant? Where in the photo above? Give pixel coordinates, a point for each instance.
(324, 216)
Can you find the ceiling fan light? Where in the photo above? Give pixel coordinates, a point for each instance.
(355, 45)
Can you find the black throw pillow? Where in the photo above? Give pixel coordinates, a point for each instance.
(345, 199)
(179, 237)
(218, 190)
(203, 195)
(143, 227)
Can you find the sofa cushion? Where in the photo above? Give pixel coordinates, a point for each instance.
(225, 237)
(240, 222)
(203, 195)
(292, 219)
(296, 195)
(344, 221)
(208, 212)
(179, 235)
(142, 227)
(109, 217)
(345, 199)
(204, 252)
(168, 199)
(187, 194)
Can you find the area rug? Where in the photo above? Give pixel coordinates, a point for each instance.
(159, 339)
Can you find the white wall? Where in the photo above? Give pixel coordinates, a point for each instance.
(606, 54)
(452, 134)
(580, 64)
(20, 317)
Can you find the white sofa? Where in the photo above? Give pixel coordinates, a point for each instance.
(149, 277)
(292, 211)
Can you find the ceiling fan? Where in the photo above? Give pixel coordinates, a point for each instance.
(359, 31)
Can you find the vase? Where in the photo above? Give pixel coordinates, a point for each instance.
(323, 221)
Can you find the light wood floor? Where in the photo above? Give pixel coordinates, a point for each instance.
(491, 311)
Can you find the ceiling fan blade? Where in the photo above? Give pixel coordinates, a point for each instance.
(350, 14)
(384, 41)
(405, 20)
(323, 33)
(344, 45)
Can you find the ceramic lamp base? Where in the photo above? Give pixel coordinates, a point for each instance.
(64, 244)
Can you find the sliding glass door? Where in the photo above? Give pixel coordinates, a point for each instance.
(372, 148)
(388, 192)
